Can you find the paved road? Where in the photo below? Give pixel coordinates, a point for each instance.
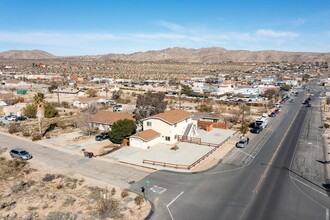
(107, 172)
(265, 187)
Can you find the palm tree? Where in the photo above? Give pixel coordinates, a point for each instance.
(39, 101)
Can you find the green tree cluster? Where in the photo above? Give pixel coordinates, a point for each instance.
(122, 129)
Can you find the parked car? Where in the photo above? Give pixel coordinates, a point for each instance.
(272, 114)
(309, 105)
(117, 108)
(102, 136)
(256, 129)
(11, 118)
(242, 143)
(21, 118)
(20, 154)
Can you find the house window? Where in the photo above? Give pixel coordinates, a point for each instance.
(175, 137)
(149, 123)
(167, 138)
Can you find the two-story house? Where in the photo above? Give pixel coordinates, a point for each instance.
(164, 128)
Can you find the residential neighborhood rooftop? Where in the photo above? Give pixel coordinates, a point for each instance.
(173, 116)
(147, 135)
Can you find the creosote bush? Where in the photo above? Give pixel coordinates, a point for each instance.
(13, 128)
(36, 136)
(124, 194)
(138, 200)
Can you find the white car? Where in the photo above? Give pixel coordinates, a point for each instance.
(242, 143)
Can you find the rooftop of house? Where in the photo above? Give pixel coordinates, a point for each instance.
(172, 116)
(146, 135)
(108, 117)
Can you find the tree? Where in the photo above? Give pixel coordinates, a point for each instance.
(30, 111)
(285, 87)
(116, 95)
(150, 104)
(186, 90)
(91, 93)
(244, 125)
(52, 87)
(82, 122)
(270, 93)
(122, 129)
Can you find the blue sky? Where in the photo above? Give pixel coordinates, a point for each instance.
(90, 27)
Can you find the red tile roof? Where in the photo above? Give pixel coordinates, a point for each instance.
(172, 116)
(146, 135)
(108, 118)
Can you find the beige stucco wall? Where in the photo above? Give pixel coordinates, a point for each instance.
(134, 142)
(168, 130)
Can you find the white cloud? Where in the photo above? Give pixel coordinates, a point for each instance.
(267, 33)
(171, 26)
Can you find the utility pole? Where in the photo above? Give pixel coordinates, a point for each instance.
(58, 94)
(180, 96)
(243, 121)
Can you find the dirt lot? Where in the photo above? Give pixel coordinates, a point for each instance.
(27, 193)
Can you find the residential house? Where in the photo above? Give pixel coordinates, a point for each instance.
(15, 83)
(83, 103)
(164, 128)
(14, 109)
(104, 119)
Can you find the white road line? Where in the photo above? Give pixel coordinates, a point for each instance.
(245, 153)
(167, 206)
(309, 186)
(327, 214)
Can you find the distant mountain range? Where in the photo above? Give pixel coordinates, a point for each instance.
(26, 54)
(177, 54)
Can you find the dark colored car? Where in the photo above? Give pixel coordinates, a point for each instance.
(102, 136)
(21, 118)
(20, 154)
(273, 114)
(256, 129)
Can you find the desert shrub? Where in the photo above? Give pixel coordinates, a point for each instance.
(69, 200)
(13, 128)
(113, 191)
(138, 200)
(26, 133)
(36, 136)
(326, 125)
(48, 177)
(21, 186)
(124, 194)
(61, 215)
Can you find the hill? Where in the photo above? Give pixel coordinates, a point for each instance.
(26, 54)
(218, 54)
